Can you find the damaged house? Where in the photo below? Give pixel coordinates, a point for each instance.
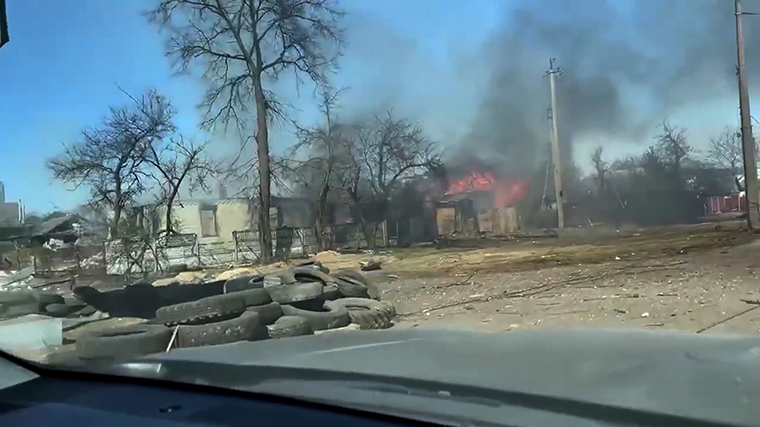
(214, 231)
(479, 203)
(217, 220)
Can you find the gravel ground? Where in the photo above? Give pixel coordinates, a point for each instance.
(704, 292)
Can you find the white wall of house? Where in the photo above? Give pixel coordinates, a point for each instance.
(211, 221)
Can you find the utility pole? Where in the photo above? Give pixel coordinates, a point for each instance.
(551, 73)
(748, 142)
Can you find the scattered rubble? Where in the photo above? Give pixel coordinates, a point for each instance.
(237, 272)
(370, 265)
(327, 256)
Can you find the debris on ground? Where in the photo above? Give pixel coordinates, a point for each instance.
(327, 256)
(191, 276)
(166, 281)
(237, 272)
(370, 265)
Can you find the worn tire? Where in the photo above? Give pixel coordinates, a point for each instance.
(373, 292)
(13, 298)
(307, 263)
(58, 310)
(295, 292)
(367, 313)
(241, 328)
(289, 326)
(17, 310)
(8, 298)
(202, 310)
(244, 283)
(124, 342)
(350, 287)
(21, 303)
(268, 313)
(329, 293)
(87, 310)
(253, 297)
(74, 302)
(285, 277)
(335, 316)
(356, 275)
(307, 274)
(45, 298)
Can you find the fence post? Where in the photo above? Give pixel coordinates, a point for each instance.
(78, 258)
(105, 256)
(197, 246)
(237, 251)
(154, 246)
(18, 255)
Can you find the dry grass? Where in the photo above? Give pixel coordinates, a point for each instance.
(524, 256)
(503, 257)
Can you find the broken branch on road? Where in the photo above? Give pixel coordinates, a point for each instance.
(460, 283)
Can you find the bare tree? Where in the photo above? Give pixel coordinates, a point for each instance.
(601, 168)
(242, 44)
(726, 150)
(176, 163)
(672, 147)
(110, 159)
(325, 149)
(380, 157)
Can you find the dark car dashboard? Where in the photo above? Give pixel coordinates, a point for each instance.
(176, 394)
(64, 400)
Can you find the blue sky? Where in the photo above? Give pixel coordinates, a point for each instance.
(67, 59)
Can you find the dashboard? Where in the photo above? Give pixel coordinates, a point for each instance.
(56, 401)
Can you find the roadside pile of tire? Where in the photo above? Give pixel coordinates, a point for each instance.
(292, 302)
(23, 302)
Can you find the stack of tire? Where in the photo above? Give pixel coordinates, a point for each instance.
(24, 302)
(293, 302)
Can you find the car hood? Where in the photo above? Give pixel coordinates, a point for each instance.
(704, 376)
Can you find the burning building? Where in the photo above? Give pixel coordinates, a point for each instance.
(479, 201)
(471, 200)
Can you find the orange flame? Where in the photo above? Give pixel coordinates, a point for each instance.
(505, 192)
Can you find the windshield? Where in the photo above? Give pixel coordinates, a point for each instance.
(189, 175)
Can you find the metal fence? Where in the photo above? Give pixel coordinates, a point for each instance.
(177, 249)
(72, 258)
(125, 256)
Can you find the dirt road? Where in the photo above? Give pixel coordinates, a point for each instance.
(701, 279)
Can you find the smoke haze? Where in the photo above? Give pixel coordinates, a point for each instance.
(627, 66)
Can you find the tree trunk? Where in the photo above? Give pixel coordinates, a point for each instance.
(168, 219)
(319, 234)
(262, 145)
(321, 219)
(370, 234)
(114, 226)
